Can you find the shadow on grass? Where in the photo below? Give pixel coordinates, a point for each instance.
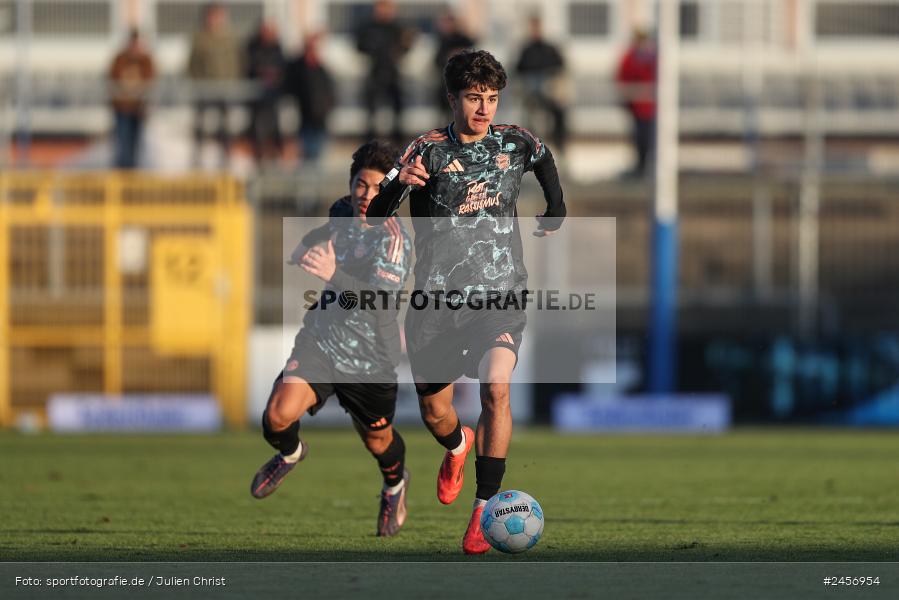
(687, 551)
(214, 545)
(622, 521)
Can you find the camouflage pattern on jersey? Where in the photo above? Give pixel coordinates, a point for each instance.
(466, 231)
(363, 341)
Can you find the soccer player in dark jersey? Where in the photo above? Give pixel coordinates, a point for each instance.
(349, 352)
(462, 182)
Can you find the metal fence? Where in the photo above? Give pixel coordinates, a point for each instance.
(122, 284)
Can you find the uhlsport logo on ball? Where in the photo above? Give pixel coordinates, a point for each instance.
(512, 521)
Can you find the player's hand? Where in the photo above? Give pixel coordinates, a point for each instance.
(540, 232)
(414, 173)
(321, 261)
(297, 255)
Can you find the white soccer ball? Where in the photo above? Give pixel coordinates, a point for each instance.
(512, 521)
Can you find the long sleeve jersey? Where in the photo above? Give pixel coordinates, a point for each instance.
(466, 231)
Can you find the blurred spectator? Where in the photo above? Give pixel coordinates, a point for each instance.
(542, 71)
(450, 41)
(636, 79)
(214, 63)
(384, 40)
(310, 83)
(266, 67)
(130, 77)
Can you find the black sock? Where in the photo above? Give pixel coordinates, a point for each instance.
(286, 441)
(392, 461)
(489, 472)
(451, 441)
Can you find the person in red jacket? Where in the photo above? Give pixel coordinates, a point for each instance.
(636, 78)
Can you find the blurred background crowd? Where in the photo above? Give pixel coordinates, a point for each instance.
(266, 82)
(262, 84)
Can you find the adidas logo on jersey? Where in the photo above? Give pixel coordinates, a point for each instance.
(453, 167)
(506, 338)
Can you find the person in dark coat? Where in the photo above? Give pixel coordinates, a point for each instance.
(265, 66)
(312, 86)
(385, 41)
(541, 67)
(450, 41)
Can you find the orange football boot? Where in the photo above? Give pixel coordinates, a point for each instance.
(474, 542)
(450, 477)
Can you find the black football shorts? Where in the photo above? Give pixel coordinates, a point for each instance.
(443, 346)
(372, 404)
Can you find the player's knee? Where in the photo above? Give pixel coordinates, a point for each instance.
(496, 367)
(495, 396)
(378, 441)
(277, 419)
(277, 412)
(432, 411)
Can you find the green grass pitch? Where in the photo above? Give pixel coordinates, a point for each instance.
(751, 495)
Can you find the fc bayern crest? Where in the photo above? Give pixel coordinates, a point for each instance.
(359, 252)
(502, 161)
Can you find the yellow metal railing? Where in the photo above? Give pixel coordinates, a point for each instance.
(76, 297)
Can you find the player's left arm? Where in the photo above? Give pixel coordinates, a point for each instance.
(321, 261)
(388, 270)
(317, 236)
(548, 177)
(540, 160)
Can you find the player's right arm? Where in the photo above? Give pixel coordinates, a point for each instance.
(409, 173)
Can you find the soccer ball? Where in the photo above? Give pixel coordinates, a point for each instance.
(512, 521)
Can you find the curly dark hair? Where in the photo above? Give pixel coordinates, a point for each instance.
(375, 154)
(473, 69)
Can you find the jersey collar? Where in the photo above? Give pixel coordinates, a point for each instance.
(451, 131)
